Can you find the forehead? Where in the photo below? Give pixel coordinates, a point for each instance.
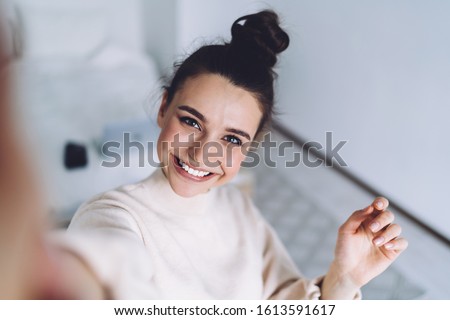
(220, 101)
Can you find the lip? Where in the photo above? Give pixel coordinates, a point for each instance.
(186, 175)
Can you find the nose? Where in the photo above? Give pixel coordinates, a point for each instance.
(206, 153)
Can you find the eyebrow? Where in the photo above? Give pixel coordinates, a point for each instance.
(239, 132)
(193, 112)
(202, 118)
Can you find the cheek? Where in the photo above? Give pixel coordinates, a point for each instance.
(173, 139)
(174, 131)
(235, 156)
(165, 140)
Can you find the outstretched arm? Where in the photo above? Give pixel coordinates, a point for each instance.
(367, 244)
(29, 269)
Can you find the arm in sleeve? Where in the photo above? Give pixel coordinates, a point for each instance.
(281, 277)
(107, 238)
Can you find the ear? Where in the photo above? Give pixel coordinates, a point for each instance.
(162, 109)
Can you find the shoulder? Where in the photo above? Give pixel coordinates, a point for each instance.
(119, 206)
(121, 197)
(130, 194)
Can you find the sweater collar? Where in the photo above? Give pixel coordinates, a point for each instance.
(167, 201)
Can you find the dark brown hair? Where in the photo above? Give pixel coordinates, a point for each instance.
(247, 61)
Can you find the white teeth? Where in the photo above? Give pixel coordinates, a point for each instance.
(191, 171)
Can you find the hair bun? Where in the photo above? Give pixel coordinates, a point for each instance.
(260, 35)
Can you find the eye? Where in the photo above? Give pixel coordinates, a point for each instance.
(190, 122)
(233, 140)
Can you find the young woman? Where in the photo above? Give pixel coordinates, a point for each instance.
(183, 233)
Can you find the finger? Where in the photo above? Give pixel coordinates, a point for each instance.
(398, 244)
(387, 235)
(380, 203)
(355, 220)
(381, 221)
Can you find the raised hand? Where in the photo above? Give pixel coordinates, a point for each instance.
(368, 242)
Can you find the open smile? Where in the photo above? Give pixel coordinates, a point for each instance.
(193, 174)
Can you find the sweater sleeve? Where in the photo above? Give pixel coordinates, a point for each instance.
(281, 278)
(108, 240)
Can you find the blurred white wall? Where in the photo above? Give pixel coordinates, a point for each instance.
(375, 73)
(202, 21)
(175, 28)
(78, 29)
(159, 22)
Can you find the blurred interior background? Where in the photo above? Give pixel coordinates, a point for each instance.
(374, 73)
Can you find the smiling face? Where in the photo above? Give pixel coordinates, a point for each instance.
(202, 133)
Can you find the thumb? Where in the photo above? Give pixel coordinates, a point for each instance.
(352, 224)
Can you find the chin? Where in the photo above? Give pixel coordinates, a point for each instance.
(185, 188)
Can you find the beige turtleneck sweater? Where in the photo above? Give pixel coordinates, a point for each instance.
(143, 241)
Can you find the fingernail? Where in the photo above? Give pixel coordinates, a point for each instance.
(389, 245)
(378, 240)
(379, 204)
(374, 226)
